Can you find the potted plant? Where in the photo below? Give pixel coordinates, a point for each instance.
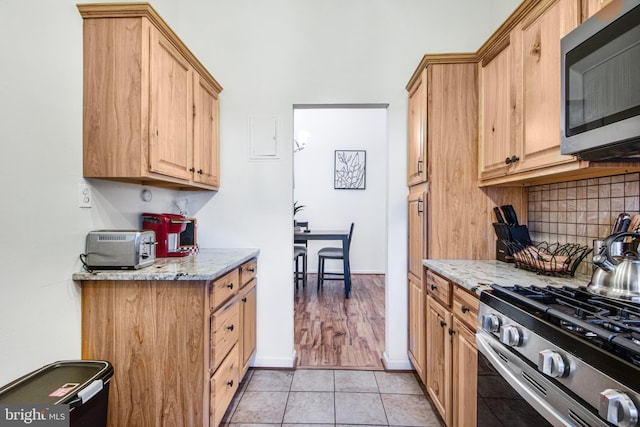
(296, 208)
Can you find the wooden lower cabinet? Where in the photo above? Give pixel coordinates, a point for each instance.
(452, 356)
(178, 356)
(465, 375)
(417, 326)
(439, 357)
(247, 325)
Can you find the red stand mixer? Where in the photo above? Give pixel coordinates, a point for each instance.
(167, 228)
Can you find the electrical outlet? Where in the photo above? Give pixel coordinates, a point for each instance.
(85, 199)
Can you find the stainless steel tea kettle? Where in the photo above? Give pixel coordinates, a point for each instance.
(617, 276)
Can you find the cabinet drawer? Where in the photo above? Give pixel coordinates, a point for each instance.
(248, 271)
(224, 384)
(439, 288)
(465, 307)
(221, 289)
(225, 332)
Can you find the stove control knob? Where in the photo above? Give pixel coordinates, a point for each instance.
(552, 364)
(617, 408)
(511, 336)
(490, 322)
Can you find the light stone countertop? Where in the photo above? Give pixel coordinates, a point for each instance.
(477, 275)
(207, 264)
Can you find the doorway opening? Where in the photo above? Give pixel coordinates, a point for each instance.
(330, 142)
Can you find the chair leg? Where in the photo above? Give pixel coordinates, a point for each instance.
(320, 272)
(295, 274)
(304, 271)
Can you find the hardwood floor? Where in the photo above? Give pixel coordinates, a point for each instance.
(331, 332)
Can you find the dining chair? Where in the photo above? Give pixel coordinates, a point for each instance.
(332, 253)
(300, 256)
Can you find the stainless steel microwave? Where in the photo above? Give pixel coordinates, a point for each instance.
(600, 110)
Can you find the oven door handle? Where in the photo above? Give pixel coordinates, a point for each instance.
(511, 370)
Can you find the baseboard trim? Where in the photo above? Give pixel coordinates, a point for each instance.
(396, 364)
(274, 362)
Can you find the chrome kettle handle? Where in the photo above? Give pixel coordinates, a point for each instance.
(606, 252)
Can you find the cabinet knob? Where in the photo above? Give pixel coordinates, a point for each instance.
(434, 287)
(252, 270)
(230, 383)
(464, 308)
(451, 331)
(192, 170)
(511, 159)
(230, 328)
(443, 323)
(244, 299)
(230, 286)
(200, 171)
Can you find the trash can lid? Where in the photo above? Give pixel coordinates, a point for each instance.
(57, 383)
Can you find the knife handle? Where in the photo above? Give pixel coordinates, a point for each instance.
(498, 215)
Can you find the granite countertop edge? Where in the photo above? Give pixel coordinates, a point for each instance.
(206, 264)
(478, 275)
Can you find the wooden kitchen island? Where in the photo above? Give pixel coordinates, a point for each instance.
(179, 334)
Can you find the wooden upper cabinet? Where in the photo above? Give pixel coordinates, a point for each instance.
(519, 94)
(497, 101)
(537, 60)
(591, 7)
(206, 147)
(417, 148)
(150, 107)
(170, 108)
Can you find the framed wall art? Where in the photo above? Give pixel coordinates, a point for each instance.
(350, 170)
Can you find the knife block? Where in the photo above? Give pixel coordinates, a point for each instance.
(509, 233)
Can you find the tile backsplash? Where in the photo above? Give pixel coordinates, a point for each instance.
(581, 211)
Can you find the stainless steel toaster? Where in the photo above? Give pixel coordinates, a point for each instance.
(120, 249)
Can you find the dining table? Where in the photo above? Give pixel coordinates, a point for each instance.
(303, 236)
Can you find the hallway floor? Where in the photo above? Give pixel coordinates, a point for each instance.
(334, 332)
(325, 397)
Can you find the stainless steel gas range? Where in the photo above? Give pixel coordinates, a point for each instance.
(572, 358)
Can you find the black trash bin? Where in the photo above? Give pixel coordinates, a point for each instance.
(81, 384)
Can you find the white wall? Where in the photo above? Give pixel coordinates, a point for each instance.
(326, 208)
(268, 56)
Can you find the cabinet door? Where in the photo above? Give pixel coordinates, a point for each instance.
(465, 375)
(538, 41)
(439, 358)
(170, 110)
(591, 7)
(417, 235)
(496, 105)
(417, 149)
(248, 325)
(417, 326)
(205, 133)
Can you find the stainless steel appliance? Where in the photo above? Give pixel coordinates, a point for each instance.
(120, 249)
(618, 276)
(600, 109)
(573, 356)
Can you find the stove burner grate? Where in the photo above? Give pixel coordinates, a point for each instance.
(610, 324)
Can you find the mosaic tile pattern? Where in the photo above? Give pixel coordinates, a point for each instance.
(581, 211)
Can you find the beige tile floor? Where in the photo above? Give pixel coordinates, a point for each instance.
(324, 397)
